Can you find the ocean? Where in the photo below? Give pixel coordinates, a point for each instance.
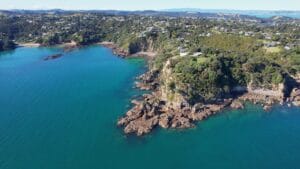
(62, 113)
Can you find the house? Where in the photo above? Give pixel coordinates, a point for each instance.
(287, 48)
(197, 54)
(183, 54)
(271, 44)
(182, 51)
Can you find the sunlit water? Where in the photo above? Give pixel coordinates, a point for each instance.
(62, 114)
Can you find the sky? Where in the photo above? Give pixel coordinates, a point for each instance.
(151, 4)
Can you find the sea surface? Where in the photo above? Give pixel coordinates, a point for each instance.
(262, 14)
(256, 13)
(61, 114)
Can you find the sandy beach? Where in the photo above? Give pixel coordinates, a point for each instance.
(31, 45)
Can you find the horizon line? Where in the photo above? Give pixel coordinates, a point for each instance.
(158, 10)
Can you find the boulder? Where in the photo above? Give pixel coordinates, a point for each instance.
(295, 92)
(297, 98)
(267, 107)
(164, 121)
(198, 116)
(296, 103)
(123, 121)
(141, 126)
(135, 102)
(237, 105)
(198, 107)
(181, 122)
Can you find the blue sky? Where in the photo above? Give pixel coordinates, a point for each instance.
(151, 4)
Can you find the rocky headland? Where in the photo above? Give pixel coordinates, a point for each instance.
(156, 109)
(169, 109)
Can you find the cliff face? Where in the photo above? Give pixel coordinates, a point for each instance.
(255, 93)
(168, 88)
(274, 91)
(141, 45)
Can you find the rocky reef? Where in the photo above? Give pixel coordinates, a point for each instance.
(55, 56)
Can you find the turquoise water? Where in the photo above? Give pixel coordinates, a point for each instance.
(62, 114)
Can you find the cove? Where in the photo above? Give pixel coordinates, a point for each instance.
(62, 113)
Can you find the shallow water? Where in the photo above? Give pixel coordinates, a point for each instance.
(62, 114)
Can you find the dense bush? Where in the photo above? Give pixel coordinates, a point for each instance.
(204, 80)
(6, 44)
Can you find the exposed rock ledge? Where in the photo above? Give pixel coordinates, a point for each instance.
(152, 112)
(295, 97)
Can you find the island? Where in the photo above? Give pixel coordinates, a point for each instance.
(198, 63)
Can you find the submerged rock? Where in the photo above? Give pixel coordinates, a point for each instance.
(51, 57)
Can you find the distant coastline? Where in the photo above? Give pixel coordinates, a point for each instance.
(257, 13)
(263, 14)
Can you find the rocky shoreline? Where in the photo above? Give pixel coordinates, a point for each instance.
(116, 50)
(124, 53)
(151, 111)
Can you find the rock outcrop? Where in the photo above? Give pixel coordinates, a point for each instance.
(237, 104)
(116, 50)
(148, 81)
(51, 57)
(295, 97)
(152, 112)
